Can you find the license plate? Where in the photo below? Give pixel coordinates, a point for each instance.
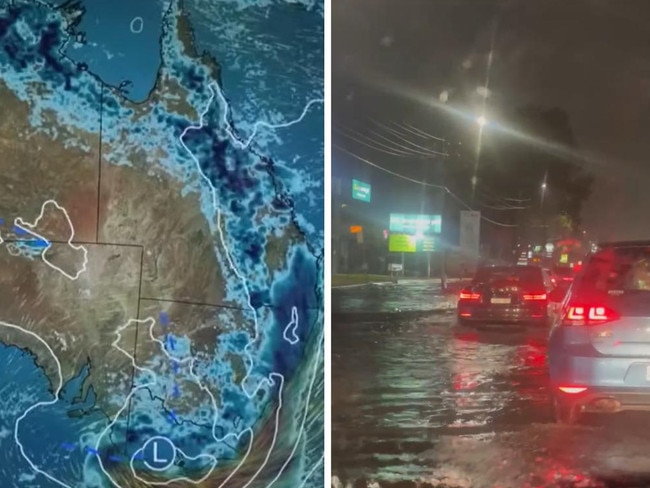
(500, 301)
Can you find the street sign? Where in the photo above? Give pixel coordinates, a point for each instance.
(355, 229)
(395, 267)
(361, 191)
(414, 224)
(402, 243)
(426, 244)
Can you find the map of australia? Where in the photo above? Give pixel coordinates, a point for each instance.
(161, 243)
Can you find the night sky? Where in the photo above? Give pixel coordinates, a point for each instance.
(393, 58)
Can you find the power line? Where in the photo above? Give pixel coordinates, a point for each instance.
(390, 151)
(408, 141)
(419, 182)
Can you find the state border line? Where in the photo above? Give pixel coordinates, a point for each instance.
(135, 354)
(99, 158)
(85, 243)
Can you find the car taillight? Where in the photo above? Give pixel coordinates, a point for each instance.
(572, 390)
(469, 295)
(535, 296)
(589, 315)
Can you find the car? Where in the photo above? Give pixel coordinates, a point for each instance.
(564, 274)
(506, 294)
(599, 347)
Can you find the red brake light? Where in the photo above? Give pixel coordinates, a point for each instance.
(469, 295)
(572, 389)
(589, 315)
(535, 296)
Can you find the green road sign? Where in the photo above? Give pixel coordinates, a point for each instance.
(361, 191)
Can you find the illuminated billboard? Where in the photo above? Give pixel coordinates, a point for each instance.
(408, 243)
(413, 224)
(402, 243)
(361, 191)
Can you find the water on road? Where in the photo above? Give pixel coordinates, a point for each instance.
(418, 399)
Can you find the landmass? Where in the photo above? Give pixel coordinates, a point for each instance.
(150, 246)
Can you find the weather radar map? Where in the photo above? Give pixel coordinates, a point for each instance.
(161, 243)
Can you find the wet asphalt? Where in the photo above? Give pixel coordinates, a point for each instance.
(418, 400)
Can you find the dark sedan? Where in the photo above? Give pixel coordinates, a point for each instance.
(506, 294)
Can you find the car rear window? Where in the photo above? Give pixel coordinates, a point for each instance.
(618, 269)
(519, 274)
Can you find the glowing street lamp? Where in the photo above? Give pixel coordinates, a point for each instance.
(481, 121)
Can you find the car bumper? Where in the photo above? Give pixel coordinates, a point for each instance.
(607, 400)
(623, 382)
(515, 314)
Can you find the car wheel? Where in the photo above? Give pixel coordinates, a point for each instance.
(566, 413)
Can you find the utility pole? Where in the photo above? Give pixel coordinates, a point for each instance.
(443, 205)
(336, 225)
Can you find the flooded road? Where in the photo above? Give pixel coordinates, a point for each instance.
(419, 401)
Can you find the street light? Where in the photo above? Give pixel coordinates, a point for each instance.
(481, 120)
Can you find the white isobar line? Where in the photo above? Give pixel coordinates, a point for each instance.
(151, 322)
(39, 404)
(292, 327)
(259, 123)
(213, 190)
(311, 471)
(20, 223)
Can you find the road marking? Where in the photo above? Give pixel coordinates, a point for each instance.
(20, 223)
